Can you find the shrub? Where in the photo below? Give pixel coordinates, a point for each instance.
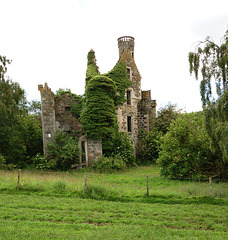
(186, 148)
(40, 162)
(108, 164)
(62, 152)
(123, 148)
(148, 147)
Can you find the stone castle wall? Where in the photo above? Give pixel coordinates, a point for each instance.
(65, 121)
(48, 114)
(133, 115)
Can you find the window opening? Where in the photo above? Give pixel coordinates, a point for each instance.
(128, 97)
(129, 124)
(67, 108)
(129, 73)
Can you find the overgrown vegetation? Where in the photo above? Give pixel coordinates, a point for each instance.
(62, 152)
(185, 150)
(212, 60)
(149, 143)
(20, 123)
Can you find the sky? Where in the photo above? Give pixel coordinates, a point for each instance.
(48, 41)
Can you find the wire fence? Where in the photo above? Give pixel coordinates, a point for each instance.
(150, 184)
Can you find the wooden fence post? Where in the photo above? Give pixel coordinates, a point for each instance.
(18, 179)
(147, 181)
(210, 182)
(85, 185)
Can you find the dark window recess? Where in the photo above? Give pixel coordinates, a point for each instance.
(132, 54)
(129, 124)
(128, 73)
(67, 108)
(128, 97)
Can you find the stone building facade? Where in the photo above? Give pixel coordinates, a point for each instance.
(56, 115)
(138, 109)
(133, 115)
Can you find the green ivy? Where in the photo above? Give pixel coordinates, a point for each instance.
(119, 75)
(98, 116)
(76, 108)
(92, 68)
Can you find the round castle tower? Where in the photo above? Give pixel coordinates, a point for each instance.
(126, 42)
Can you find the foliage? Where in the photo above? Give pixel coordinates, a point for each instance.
(164, 118)
(20, 122)
(98, 116)
(108, 164)
(12, 111)
(76, 101)
(34, 108)
(62, 152)
(32, 136)
(148, 146)
(185, 150)
(40, 162)
(212, 59)
(92, 68)
(119, 75)
(122, 146)
(149, 142)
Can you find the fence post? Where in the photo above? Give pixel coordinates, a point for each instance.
(85, 184)
(147, 181)
(18, 179)
(210, 182)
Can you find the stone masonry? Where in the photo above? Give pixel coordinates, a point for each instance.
(133, 115)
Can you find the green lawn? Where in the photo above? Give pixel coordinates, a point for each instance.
(114, 206)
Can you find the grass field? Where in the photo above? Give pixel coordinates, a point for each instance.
(114, 206)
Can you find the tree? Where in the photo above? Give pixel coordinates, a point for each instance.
(12, 111)
(20, 131)
(185, 150)
(212, 60)
(164, 118)
(149, 142)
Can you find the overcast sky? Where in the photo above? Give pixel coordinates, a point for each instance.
(48, 41)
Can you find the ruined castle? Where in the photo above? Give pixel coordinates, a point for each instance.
(134, 114)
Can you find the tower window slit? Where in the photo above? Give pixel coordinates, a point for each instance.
(129, 124)
(128, 97)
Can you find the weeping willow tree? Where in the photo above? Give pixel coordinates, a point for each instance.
(212, 60)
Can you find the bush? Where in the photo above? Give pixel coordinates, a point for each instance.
(108, 164)
(185, 150)
(2, 162)
(148, 147)
(40, 162)
(62, 152)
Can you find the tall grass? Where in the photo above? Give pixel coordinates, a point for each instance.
(128, 184)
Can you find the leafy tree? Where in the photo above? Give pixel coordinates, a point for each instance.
(185, 150)
(32, 136)
(12, 112)
(164, 118)
(149, 142)
(212, 60)
(20, 131)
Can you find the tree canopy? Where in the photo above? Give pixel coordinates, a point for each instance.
(212, 60)
(20, 130)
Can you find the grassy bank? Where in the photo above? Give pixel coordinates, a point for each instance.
(113, 206)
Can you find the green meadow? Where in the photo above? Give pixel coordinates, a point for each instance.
(52, 205)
